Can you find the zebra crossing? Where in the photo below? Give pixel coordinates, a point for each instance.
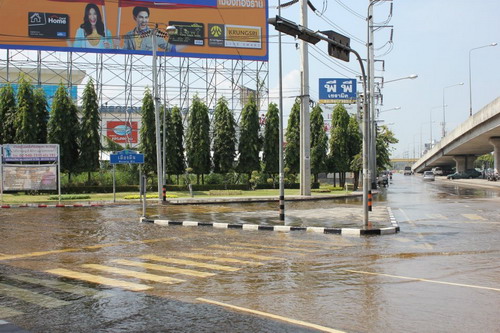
(140, 273)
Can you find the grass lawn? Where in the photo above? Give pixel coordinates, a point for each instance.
(21, 197)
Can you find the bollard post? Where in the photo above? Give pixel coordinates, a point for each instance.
(143, 194)
(164, 192)
(370, 201)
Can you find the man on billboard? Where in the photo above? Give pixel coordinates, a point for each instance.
(140, 37)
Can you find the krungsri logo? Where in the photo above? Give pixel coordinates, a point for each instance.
(216, 31)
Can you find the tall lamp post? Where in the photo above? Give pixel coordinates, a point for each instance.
(443, 134)
(470, 75)
(156, 97)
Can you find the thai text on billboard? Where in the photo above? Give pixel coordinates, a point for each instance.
(227, 29)
(29, 152)
(333, 91)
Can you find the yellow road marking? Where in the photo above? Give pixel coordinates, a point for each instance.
(99, 279)
(44, 253)
(219, 259)
(139, 275)
(6, 312)
(35, 254)
(243, 255)
(31, 297)
(284, 248)
(272, 316)
(437, 216)
(424, 280)
(474, 217)
(190, 263)
(63, 286)
(163, 268)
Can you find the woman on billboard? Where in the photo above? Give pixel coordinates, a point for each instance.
(92, 32)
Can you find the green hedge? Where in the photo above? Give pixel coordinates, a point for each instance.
(173, 188)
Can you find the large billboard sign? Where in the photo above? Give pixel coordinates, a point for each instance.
(122, 131)
(29, 177)
(332, 91)
(227, 29)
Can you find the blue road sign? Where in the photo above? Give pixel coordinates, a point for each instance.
(332, 91)
(126, 157)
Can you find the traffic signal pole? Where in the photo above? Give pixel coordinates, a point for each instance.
(338, 47)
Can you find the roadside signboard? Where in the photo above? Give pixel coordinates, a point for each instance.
(29, 152)
(126, 157)
(333, 91)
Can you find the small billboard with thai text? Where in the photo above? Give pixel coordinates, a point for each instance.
(29, 152)
(334, 91)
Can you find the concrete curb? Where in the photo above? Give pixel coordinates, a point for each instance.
(338, 231)
(51, 206)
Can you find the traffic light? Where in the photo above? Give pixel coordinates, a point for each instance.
(341, 48)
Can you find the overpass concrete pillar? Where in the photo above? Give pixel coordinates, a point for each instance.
(464, 162)
(495, 142)
(460, 161)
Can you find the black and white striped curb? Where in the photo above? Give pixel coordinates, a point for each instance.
(51, 206)
(339, 231)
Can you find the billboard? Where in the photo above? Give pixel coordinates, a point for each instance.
(227, 29)
(29, 177)
(332, 91)
(30, 152)
(122, 131)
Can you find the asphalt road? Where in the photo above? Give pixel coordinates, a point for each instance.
(96, 269)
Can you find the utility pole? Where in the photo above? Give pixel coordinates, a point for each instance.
(371, 100)
(305, 128)
(159, 170)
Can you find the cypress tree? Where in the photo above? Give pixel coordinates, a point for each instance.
(42, 115)
(90, 142)
(292, 148)
(224, 148)
(319, 142)
(7, 114)
(25, 118)
(147, 133)
(175, 162)
(63, 129)
(339, 149)
(198, 139)
(249, 142)
(271, 146)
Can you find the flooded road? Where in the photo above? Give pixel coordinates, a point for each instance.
(97, 269)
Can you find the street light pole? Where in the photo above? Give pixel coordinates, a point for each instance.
(280, 141)
(444, 107)
(470, 75)
(159, 170)
(305, 128)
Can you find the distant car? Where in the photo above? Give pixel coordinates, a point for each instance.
(408, 171)
(437, 171)
(491, 174)
(429, 176)
(467, 174)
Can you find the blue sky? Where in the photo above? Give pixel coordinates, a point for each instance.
(431, 38)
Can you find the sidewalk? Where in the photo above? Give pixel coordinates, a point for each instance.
(341, 218)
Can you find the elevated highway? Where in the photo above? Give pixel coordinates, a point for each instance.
(478, 135)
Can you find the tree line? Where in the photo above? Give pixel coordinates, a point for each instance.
(247, 151)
